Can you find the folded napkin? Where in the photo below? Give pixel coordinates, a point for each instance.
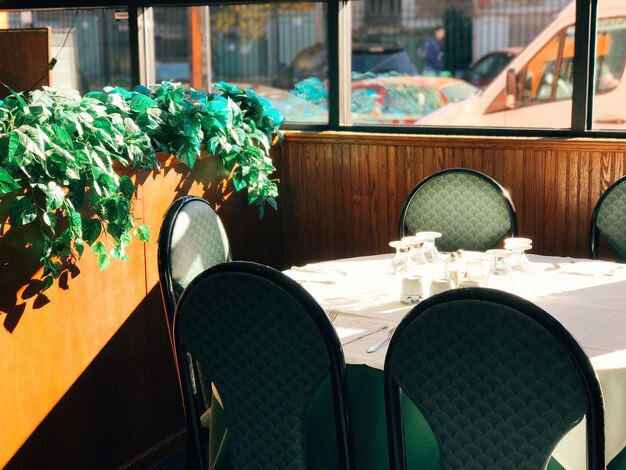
(313, 273)
(591, 268)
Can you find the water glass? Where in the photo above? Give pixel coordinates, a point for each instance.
(401, 264)
(500, 275)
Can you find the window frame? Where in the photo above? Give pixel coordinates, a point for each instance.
(339, 38)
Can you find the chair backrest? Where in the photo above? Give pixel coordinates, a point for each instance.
(267, 346)
(609, 220)
(469, 208)
(498, 379)
(192, 238)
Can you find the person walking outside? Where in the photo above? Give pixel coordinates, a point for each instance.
(433, 52)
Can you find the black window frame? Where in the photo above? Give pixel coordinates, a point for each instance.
(583, 85)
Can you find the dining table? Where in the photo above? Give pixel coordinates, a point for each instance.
(588, 297)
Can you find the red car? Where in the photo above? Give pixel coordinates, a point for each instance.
(404, 100)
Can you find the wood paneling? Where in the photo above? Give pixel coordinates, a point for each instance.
(342, 192)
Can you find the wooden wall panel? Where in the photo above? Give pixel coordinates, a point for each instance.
(343, 192)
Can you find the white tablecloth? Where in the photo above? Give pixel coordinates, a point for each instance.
(588, 298)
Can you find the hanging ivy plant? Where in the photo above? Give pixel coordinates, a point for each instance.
(57, 150)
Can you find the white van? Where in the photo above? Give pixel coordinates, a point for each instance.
(542, 73)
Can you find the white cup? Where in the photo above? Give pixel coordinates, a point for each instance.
(467, 283)
(414, 289)
(477, 270)
(437, 286)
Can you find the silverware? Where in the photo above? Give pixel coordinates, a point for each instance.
(368, 333)
(333, 313)
(377, 346)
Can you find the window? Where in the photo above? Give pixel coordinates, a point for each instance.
(412, 65)
(91, 46)
(278, 50)
(610, 86)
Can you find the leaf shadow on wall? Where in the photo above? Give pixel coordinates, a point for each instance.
(19, 265)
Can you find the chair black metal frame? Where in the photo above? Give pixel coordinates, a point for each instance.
(337, 366)
(594, 233)
(595, 413)
(402, 229)
(163, 255)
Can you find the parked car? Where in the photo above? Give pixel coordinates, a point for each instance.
(366, 58)
(404, 100)
(380, 100)
(482, 72)
(535, 89)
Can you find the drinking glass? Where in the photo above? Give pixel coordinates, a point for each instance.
(518, 262)
(429, 249)
(418, 260)
(500, 275)
(401, 264)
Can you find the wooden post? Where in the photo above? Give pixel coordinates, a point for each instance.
(195, 54)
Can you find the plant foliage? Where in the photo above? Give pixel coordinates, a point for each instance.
(58, 149)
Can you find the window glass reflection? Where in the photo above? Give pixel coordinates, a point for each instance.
(91, 46)
(450, 61)
(278, 50)
(610, 86)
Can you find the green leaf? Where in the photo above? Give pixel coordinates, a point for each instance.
(76, 223)
(22, 211)
(7, 183)
(118, 253)
(13, 144)
(54, 196)
(272, 202)
(50, 219)
(142, 89)
(97, 95)
(99, 248)
(28, 144)
(140, 103)
(103, 261)
(126, 187)
(142, 233)
(80, 246)
(46, 283)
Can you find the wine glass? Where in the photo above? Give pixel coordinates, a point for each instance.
(500, 275)
(401, 264)
(416, 254)
(518, 262)
(429, 249)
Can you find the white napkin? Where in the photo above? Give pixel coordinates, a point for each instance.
(314, 274)
(349, 328)
(591, 268)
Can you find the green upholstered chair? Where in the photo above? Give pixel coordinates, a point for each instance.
(192, 238)
(609, 220)
(267, 346)
(498, 379)
(469, 208)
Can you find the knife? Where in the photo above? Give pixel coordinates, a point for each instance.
(368, 333)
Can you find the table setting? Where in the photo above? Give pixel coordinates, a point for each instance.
(367, 297)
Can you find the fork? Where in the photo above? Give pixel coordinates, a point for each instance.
(333, 313)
